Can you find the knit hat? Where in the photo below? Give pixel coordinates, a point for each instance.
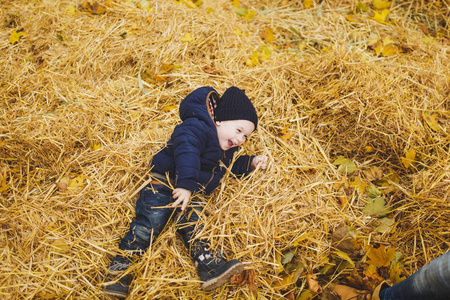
(235, 105)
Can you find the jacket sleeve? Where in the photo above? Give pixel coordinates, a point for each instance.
(243, 165)
(189, 141)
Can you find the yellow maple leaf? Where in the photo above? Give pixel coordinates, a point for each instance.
(187, 38)
(253, 60)
(378, 47)
(71, 10)
(94, 7)
(237, 31)
(76, 182)
(409, 158)
(431, 120)
(4, 186)
(350, 18)
(236, 3)
(371, 271)
(368, 149)
(169, 107)
(389, 50)
(381, 4)
(308, 3)
(265, 52)
(358, 184)
(16, 35)
(380, 17)
(268, 35)
(380, 257)
(96, 146)
(250, 14)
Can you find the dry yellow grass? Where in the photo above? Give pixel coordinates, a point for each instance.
(73, 104)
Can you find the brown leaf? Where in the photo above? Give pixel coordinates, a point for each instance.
(94, 7)
(248, 276)
(211, 70)
(424, 28)
(312, 283)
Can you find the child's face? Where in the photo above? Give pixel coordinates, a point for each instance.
(233, 133)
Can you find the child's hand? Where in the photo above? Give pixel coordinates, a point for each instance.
(182, 196)
(260, 159)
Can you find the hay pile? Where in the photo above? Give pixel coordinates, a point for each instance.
(87, 99)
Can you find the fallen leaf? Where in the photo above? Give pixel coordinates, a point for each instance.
(242, 11)
(380, 17)
(346, 166)
(312, 283)
(371, 271)
(236, 3)
(357, 184)
(380, 257)
(95, 7)
(287, 257)
(76, 182)
(63, 183)
(409, 158)
(395, 272)
(253, 60)
(4, 186)
(344, 256)
(368, 149)
(250, 14)
(187, 38)
(238, 32)
(381, 4)
(375, 207)
(283, 283)
(71, 10)
(344, 239)
(169, 107)
(424, 28)
(372, 191)
(268, 35)
(384, 225)
(431, 120)
(308, 3)
(265, 52)
(361, 7)
(374, 173)
(305, 295)
(389, 50)
(16, 36)
(60, 246)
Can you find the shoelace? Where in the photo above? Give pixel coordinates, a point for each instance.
(118, 266)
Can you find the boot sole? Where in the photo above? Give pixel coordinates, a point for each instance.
(218, 281)
(115, 294)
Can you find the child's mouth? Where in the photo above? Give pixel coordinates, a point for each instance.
(230, 144)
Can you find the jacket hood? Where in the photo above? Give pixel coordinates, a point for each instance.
(195, 105)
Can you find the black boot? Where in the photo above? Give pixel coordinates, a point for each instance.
(118, 279)
(215, 271)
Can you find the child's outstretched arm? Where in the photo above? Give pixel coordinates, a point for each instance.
(260, 160)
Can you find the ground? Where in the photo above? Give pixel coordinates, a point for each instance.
(353, 105)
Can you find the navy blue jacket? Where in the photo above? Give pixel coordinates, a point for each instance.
(192, 156)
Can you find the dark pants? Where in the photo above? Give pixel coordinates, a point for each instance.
(432, 282)
(153, 213)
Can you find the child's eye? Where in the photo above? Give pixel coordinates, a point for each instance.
(239, 130)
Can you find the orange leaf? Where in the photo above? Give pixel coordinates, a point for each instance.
(381, 257)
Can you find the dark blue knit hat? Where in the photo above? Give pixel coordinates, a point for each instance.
(235, 105)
